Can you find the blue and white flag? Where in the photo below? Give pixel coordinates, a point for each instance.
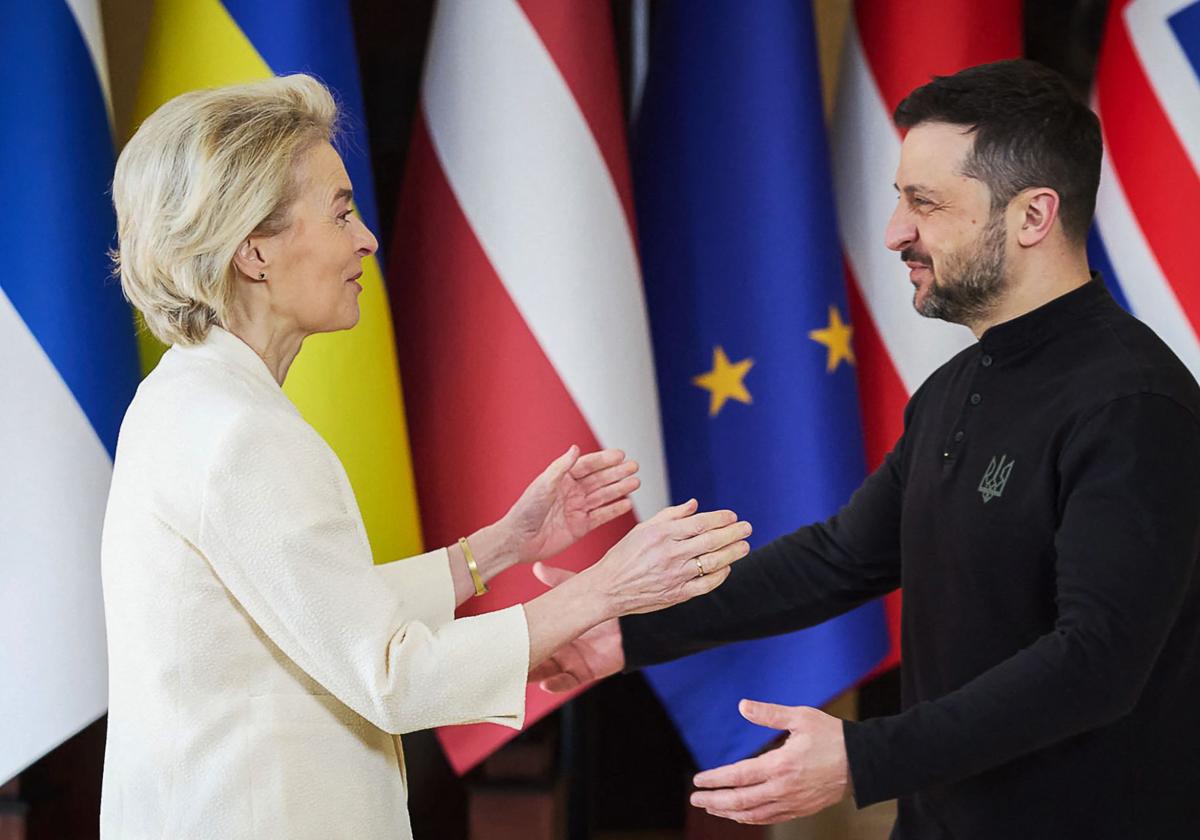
(68, 368)
(752, 340)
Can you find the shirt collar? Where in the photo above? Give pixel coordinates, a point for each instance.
(1047, 320)
(225, 347)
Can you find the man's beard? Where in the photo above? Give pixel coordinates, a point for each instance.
(974, 280)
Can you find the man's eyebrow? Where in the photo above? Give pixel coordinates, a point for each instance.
(910, 189)
(345, 193)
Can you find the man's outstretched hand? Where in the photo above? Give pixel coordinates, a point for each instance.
(593, 656)
(807, 773)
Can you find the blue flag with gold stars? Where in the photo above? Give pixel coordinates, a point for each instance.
(752, 339)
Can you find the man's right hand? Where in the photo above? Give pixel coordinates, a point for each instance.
(593, 656)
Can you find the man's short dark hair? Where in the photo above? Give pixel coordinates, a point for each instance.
(1030, 131)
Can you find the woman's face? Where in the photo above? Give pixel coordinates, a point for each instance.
(316, 262)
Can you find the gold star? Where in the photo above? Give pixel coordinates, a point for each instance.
(837, 338)
(724, 381)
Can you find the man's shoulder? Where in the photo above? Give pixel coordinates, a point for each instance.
(1122, 356)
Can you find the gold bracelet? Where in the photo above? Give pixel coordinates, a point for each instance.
(480, 586)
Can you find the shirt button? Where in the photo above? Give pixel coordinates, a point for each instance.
(976, 399)
(986, 361)
(958, 436)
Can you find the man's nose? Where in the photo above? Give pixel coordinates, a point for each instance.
(900, 232)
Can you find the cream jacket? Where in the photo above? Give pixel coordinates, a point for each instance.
(260, 665)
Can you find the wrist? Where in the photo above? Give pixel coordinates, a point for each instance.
(602, 602)
(494, 548)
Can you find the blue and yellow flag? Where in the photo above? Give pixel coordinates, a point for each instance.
(752, 339)
(346, 384)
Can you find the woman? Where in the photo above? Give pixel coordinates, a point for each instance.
(260, 664)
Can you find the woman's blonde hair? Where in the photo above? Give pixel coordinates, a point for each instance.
(203, 172)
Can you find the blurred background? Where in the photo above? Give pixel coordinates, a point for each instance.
(639, 223)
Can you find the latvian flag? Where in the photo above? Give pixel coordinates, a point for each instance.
(520, 317)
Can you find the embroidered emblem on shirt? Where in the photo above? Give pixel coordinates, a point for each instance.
(991, 486)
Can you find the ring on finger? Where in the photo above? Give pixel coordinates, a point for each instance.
(699, 566)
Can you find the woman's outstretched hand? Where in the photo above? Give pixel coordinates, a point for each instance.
(572, 496)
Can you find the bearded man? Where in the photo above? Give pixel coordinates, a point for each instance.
(1041, 511)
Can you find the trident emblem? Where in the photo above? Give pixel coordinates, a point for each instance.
(991, 486)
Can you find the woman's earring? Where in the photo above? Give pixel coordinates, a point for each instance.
(262, 275)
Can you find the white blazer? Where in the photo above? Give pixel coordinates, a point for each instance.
(259, 663)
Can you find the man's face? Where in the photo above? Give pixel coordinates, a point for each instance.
(944, 228)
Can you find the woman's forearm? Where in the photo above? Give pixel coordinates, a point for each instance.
(564, 613)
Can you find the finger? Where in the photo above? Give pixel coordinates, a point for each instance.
(674, 512)
(702, 584)
(593, 461)
(608, 475)
(611, 492)
(599, 516)
(744, 773)
(701, 522)
(714, 561)
(551, 575)
(560, 684)
(716, 538)
(544, 671)
(744, 798)
(770, 715)
(768, 814)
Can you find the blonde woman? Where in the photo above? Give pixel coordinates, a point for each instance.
(261, 666)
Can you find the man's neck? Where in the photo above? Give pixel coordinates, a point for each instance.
(1034, 287)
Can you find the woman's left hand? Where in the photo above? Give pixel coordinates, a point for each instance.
(571, 497)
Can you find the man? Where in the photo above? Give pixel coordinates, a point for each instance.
(1041, 510)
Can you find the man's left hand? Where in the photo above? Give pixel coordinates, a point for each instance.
(807, 773)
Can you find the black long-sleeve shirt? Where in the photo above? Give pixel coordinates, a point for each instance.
(1042, 512)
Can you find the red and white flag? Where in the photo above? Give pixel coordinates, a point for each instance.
(892, 47)
(520, 317)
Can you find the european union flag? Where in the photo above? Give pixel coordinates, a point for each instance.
(752, 338)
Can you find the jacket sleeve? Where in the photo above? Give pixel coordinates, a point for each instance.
(796, 581)
(280, 528)
(1126, 548)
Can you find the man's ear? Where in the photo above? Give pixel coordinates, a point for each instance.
(249, 259)
(1038, 208)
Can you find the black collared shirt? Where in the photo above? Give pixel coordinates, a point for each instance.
(1042, 512)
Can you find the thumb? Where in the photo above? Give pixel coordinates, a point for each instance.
(770, 715)
(675, 512)
(552, 576)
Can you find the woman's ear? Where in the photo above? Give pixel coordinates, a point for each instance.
(249, 260)
(1039, 210)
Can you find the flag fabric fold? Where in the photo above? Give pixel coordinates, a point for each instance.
(1147, 94)
(69, 367)
(752, 333)
(521, 320)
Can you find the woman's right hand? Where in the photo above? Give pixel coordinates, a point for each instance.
(675, 555)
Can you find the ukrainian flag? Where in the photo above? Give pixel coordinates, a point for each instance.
(346, 384)
(68, 369)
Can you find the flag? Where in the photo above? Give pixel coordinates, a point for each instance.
(752, 334)
(68, 365)
(522, 325)
(346, 384)
(891, 48)
(1147, 94)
